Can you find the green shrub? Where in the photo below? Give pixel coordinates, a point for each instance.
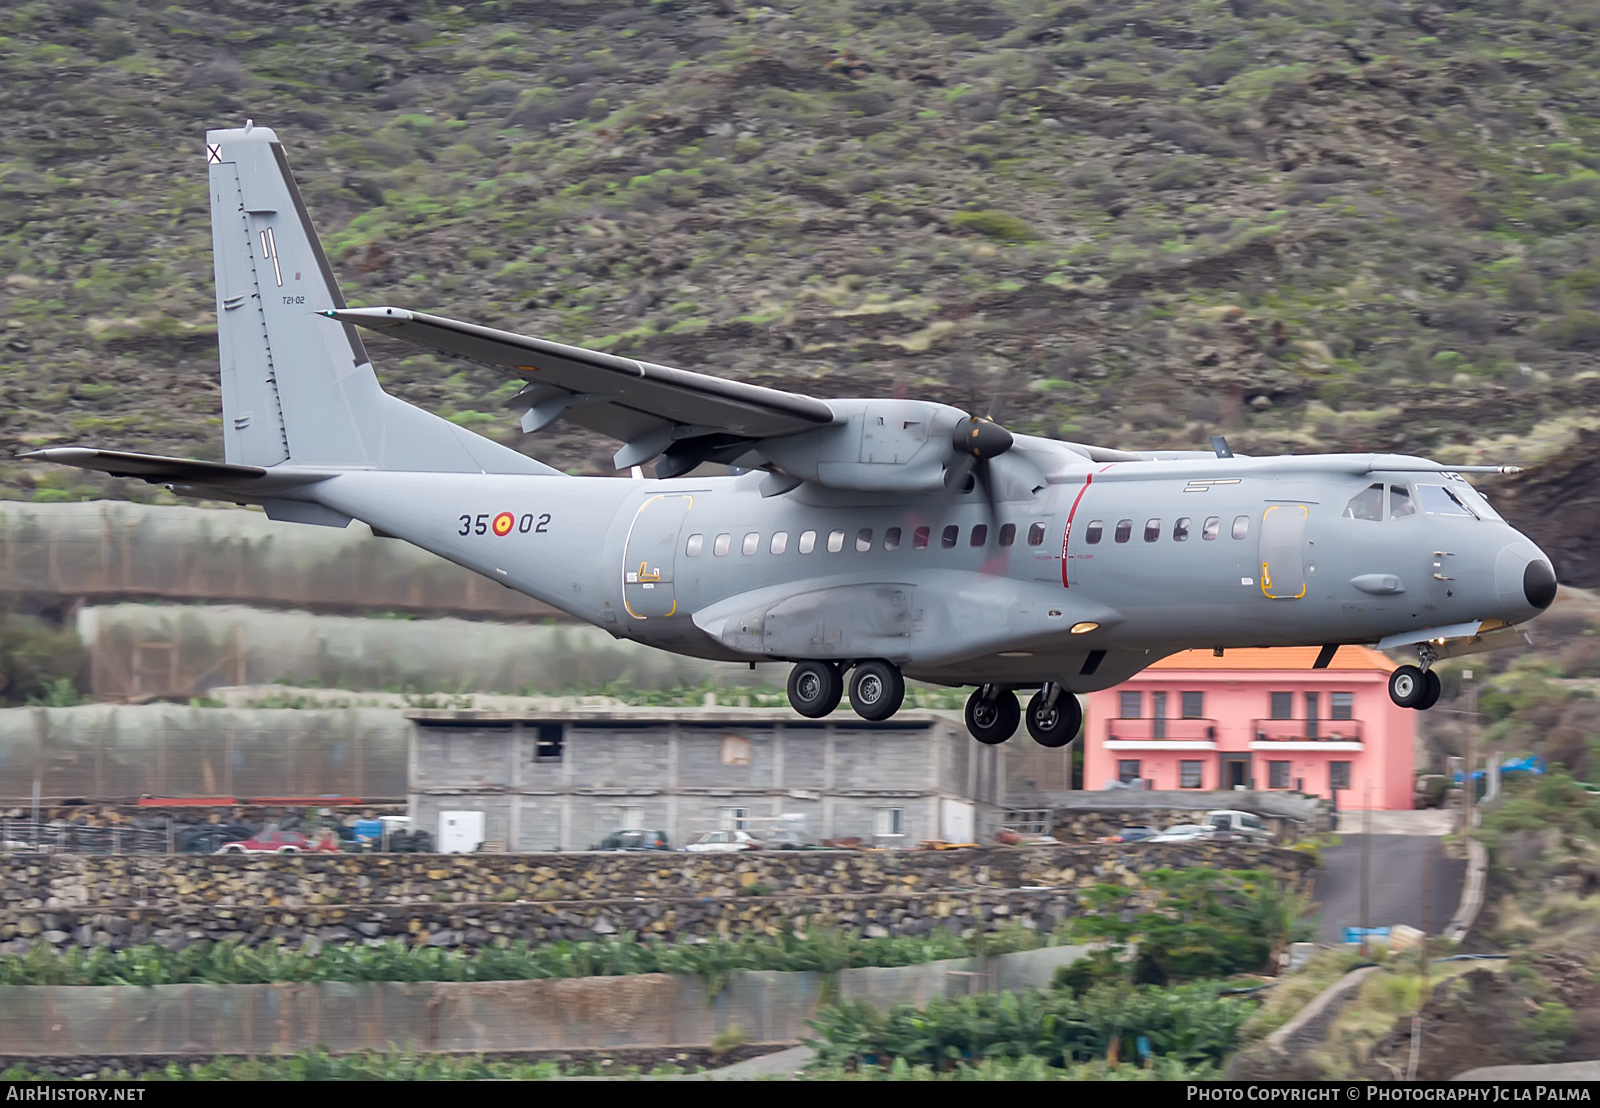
(1001, 226)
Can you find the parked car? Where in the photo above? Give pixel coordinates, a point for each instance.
(724, 842)
(284, 842)
(1240, 825)
(634, 840)
(209, 839)
(1181, 833)
(1130, 835)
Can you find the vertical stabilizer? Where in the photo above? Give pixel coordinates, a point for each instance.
(296, 386)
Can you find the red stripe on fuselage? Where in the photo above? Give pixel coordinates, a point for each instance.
(1066, 534)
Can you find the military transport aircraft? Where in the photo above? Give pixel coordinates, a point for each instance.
(874, 539)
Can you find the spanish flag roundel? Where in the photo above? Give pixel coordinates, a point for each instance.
(503, 523)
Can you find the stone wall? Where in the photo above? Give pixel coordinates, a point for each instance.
(473, 900)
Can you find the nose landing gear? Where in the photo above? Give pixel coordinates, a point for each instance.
(1417, 687)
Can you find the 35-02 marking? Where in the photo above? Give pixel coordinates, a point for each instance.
(503, 523)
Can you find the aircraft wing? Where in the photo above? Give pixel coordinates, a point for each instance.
(647, 407)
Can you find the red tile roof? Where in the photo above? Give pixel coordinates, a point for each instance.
(1277, 658)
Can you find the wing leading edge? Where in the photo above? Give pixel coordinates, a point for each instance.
(652, 409)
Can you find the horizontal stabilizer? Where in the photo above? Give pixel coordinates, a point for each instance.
(151, 467)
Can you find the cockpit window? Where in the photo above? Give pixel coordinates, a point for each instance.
(1400, 502)
(1473, 499)
(1366, 504)
(1440, 501)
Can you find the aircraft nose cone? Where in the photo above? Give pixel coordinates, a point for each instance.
(1539, 584)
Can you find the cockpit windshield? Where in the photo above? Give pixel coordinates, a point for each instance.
(1472, 498)
(1439, 501)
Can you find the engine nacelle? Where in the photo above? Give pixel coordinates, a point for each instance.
(874, 446)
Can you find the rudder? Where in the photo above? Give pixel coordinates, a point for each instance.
(297, 387)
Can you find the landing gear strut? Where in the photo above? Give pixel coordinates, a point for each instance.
(993, 714)
(815, 688)
(1054, 716)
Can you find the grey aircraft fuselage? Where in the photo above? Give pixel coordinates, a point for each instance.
(658, 561)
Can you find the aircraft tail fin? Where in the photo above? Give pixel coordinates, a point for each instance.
(298, 387)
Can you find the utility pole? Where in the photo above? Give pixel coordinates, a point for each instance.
(1366, 855)
(1472, 734)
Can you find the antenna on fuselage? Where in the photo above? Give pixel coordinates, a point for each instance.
(1220, 445)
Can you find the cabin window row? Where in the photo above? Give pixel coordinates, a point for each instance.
(1182, 528)
(921, 539)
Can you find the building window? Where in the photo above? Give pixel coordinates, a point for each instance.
(1127, 770)
(1342, 705)
(780, 542)
(1339, 775)
(630, 819)
(863, 540)
(695, 544)
(547, 746)
(1194, 705)
(1036, 535)
(980, 534)
(1131, 705)
(723, 544)
(951, 534)
(1180, 529)
(1241, 527)
(1158, 709)
(1277, 775)
(891, 821)
(835, 541)
(1282, 705)
(1152, 530)
(1124, 530)
(735, 750)
(891, 539)
(1189, 774)
(808, 541)
(1092, 533)
(1313, 714)
(919, 538)
(1008, 534)
(733, 819)
(752, 543)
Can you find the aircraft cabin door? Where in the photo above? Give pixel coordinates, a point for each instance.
(1283, 551)
(647, 581)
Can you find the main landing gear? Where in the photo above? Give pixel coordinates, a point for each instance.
(1417, 686)
(1053, 716)
(876, 689)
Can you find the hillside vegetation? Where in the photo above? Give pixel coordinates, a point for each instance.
(1318, 224)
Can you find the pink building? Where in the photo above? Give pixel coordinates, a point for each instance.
(1263, 719)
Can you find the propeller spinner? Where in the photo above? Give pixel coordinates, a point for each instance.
(975, 440)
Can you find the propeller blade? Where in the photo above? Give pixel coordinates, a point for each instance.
(956, 476)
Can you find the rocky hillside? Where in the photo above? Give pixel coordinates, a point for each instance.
(1308, 224)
